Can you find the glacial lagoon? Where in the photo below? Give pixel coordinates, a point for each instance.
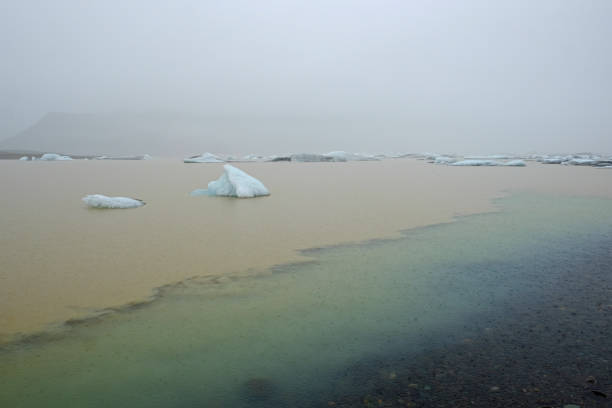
(293, 335)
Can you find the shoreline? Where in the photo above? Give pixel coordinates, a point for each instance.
(60, 330)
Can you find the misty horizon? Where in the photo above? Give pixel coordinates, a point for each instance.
(280, 76)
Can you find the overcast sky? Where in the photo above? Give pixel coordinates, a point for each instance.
(487, 75)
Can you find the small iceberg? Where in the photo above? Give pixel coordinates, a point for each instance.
(346, 156)
(137, 157)
(102, 201)
(234, 183)
(476, 163)
(444, 160)
(54, 157)
(24, 158)
(553, 160)
(252, 157)
(204, 158)
(515, 163)
(312, 157)
(489, 157)
(278, 158)
(581, 162)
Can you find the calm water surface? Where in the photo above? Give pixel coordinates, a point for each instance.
(285, 337)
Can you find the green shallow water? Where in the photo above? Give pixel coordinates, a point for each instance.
(296, 329)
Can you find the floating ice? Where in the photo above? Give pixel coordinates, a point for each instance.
(140, 157)
(444, 160)
(102, 201)
(581, 162)
(24, 158)
(428, 155)
(346, 156)
(515, 163)
(234, 183)
(489, 157)
(476, 163)
(275, 158)
(312, 157)
(204, 158)
(54, 157)
(252, 157)
(553, 160)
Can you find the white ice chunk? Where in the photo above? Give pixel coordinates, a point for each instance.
(136, 157)
(312, 157)
(24, 158)
(553, 160)
(252, 157)
(54, 157)
(515, 163)
(489, 157)
(341, 155)
(102, 201)
(204, 158)
(476, 163)
(275, 158)
(444, 160)
(581, 162)
(234, 183)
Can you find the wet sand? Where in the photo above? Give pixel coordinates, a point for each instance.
(61, 260)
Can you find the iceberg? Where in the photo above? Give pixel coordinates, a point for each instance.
(476, 163)
(581, 162)
(342, 156)
(428, 156)
(489, 157)
(515, 163)
(312, 157)
(24, 158)
(234, 183)
(54, 157)
(553, 160)
(444, 160)
(278, 158)
(102, 201)
(140, 157)
(252, 157)
(203, 158)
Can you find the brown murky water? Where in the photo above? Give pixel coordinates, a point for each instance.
(61, 260)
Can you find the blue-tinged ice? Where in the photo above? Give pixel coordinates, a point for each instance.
(515, 163)
(553, 160)
(581, 162)
(234, 183)
(341, 155)
(490, 157)
(476, 163)
(204, 158)
(102, 201)
(312, 157)
(444, 160)
(54, 157)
